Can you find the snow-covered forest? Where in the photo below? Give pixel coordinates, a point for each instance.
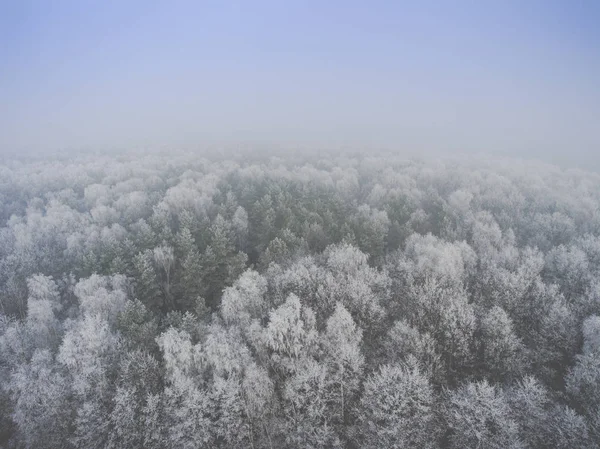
(176, 301)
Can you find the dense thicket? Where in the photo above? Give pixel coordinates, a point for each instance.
(175, 301)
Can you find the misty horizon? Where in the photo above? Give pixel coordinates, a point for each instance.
(438, 78)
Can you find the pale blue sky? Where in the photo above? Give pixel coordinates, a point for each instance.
(515, 77)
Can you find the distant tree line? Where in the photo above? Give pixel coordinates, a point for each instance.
(174, 301)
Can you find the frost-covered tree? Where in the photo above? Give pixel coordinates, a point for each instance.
(344, 359)
(360, 288)
(147, 284)
(542, 421)
(305, 404)
(89, 352)
(397, 408)
(583, 378)
(290, 335)
(104, 297)
(478, 415)
(404, 341)
(245, 300)
(501, 350)
(240, 226)
(40, 393)
(164, 258)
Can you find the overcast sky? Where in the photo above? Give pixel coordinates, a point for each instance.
(517, 78)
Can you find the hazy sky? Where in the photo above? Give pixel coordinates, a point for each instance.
(518, 77)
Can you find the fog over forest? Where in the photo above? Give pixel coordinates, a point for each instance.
(185, 301)
(299, 224)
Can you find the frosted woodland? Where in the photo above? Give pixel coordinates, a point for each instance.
(179, 301)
